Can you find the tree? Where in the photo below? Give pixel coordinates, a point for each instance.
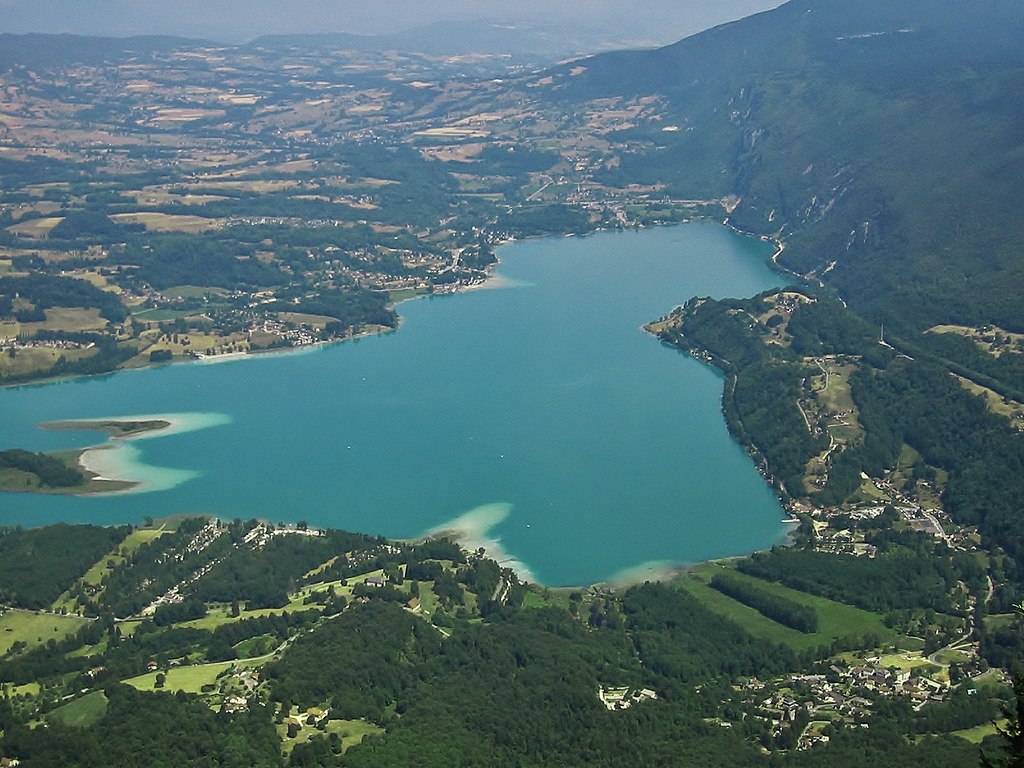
(1012, 754)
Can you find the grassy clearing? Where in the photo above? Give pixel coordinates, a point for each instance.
(320, 568)
(350, 732)
(160, 315)
(89, 650)
(869, 493)
(128, 627)
(836, 620)
(81, 713)
(836, 399)
(996, 403)
(68, 319)
(140, 536)
(39, 228)
(168, 222)
(978, 733)
(36, 359)
(991, 339)
(28, 690)
(191, 292)
(255, 647)
(42, 207)
(35, 629)
(17, 480)
(157, 196)
(406, 293)
(259, 186)
(299, 318)
(218, 615)
(93, 277)
(543, 597)
(189, 679)
(999, 620)
(948, 657)
(905, 661)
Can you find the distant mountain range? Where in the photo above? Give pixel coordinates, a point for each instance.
(451, 38)
(37, 50)
(539, 43)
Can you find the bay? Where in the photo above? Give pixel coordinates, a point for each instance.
(536, 417)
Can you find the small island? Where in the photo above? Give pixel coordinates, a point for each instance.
(60, 473)
(65, 472)
(113, 427)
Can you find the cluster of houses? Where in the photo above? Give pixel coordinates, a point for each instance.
(619, 698)
(262, 533)
(203, 539)
(835, 538)
(845, 692)
(239, 688)
(12, 345)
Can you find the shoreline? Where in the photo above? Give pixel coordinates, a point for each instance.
(491, 281)
(469, 535)
(112, 467)
(472, 531)
(96, 484)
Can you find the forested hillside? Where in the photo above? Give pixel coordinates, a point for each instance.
(880, 140)
(202, 643)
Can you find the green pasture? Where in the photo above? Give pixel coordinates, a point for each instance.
(35, 629)
(82, 712)
(836, 621)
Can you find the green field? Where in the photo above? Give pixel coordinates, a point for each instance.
(221, 614)
(66, 319)
(167, 222)
(190, 679)
(14, 691)
(256, 646)
(351, 732)
(300, 318)
(977, 734)
(34, 359)
(35, 629)
(160, 315)
(998, 620)
(192, 291)
(37, 228)
(82, 712)
(905, 661)
(835, 620)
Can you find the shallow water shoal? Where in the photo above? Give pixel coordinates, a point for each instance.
(542, 398)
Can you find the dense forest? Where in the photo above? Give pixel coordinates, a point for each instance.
(503, 676)
(37, 564)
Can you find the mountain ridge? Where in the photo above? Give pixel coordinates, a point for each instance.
(848, 131)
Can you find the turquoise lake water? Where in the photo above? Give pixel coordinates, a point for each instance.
(535, 417)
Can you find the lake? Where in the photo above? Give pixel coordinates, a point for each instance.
(535, 417)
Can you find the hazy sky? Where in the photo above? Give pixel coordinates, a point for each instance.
(241, 20)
